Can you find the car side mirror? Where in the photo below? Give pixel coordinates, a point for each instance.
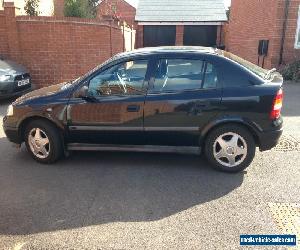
(82, 92)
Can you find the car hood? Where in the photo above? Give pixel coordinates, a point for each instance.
(10, 67)
(43, 92)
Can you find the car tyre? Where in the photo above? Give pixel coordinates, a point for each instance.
(230, 148)
(43, 141)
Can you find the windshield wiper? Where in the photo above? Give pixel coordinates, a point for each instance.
(269, 73)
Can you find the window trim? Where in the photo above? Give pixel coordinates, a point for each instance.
(297, 39)
(205, 62)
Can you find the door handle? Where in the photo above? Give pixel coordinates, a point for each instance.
(133, 108)
(198, 108)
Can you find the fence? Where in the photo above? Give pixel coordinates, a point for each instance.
(60, 49)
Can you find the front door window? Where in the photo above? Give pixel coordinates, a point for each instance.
(122, 79)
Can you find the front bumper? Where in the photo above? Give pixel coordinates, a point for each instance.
(12, 133)
(269, 140)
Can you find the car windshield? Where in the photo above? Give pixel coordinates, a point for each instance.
(263, 73)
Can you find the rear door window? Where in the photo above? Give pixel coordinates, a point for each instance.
(173, 75)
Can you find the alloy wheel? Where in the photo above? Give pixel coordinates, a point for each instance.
(230, 149)
(39, 143)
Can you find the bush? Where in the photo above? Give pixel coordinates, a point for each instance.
(74, 8)
(291, 72)
(80, 8)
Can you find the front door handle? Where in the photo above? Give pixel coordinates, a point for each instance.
(133, 108)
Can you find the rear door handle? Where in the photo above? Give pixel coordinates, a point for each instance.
(133, 108)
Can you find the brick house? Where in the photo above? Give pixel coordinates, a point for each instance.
(46, 7)
(117, 8)
(177, 22)
(277, 21)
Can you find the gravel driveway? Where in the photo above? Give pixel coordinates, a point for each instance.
(102, 200)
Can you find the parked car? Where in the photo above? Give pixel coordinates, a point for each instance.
(183, 99)
(14, 79)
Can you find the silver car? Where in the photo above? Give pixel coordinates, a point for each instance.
(14, 79)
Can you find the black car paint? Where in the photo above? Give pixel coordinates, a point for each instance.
(191, 116)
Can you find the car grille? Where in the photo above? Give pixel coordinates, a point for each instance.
(22, 77)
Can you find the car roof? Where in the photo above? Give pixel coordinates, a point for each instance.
(167, 50)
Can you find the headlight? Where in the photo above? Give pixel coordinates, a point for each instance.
(5, 78)
(10, 110)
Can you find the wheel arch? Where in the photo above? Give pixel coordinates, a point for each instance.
(27, 120)
(252, 128)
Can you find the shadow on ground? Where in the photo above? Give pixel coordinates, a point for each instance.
(95, 188)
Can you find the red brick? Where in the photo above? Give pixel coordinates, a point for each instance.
(119, 8)
(57, 49)
(253, 20)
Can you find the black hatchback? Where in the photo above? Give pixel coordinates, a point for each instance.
(165, 99)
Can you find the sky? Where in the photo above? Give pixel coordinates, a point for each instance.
(135, 2)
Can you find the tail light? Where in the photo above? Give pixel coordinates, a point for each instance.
(277, 105)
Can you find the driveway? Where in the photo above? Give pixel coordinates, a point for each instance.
(102, 200)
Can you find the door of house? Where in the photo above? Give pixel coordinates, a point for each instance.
(157, 35)
(200, 35)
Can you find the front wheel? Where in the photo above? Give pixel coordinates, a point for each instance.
(43, 141)
(230, 148)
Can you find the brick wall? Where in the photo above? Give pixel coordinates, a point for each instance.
(254, 20)
(140, 36)
(3, 38)
(60, 49)
(179, 35)
(117, 8)
(290, 54)
(59, 6)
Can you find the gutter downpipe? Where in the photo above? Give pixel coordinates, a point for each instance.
(286, 14)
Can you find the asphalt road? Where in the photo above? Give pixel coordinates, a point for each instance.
(105, 200)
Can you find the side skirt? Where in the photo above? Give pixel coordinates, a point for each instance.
(134, 148)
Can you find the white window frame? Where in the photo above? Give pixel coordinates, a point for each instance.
(297, 39)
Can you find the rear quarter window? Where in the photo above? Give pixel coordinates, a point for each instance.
(235, 76)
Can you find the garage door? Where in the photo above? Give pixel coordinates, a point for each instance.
(200, 35)
(159, 35)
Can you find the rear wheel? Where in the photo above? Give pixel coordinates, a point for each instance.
(43, 141)
(230, 148)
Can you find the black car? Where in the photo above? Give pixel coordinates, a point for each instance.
(14, 79)
(182, 99)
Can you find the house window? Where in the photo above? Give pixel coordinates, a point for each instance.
(297, 42)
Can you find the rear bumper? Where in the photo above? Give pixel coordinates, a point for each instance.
(268, 140)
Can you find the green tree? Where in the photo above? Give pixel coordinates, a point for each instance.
(81, 8)
(93, 5)
(31, 7)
